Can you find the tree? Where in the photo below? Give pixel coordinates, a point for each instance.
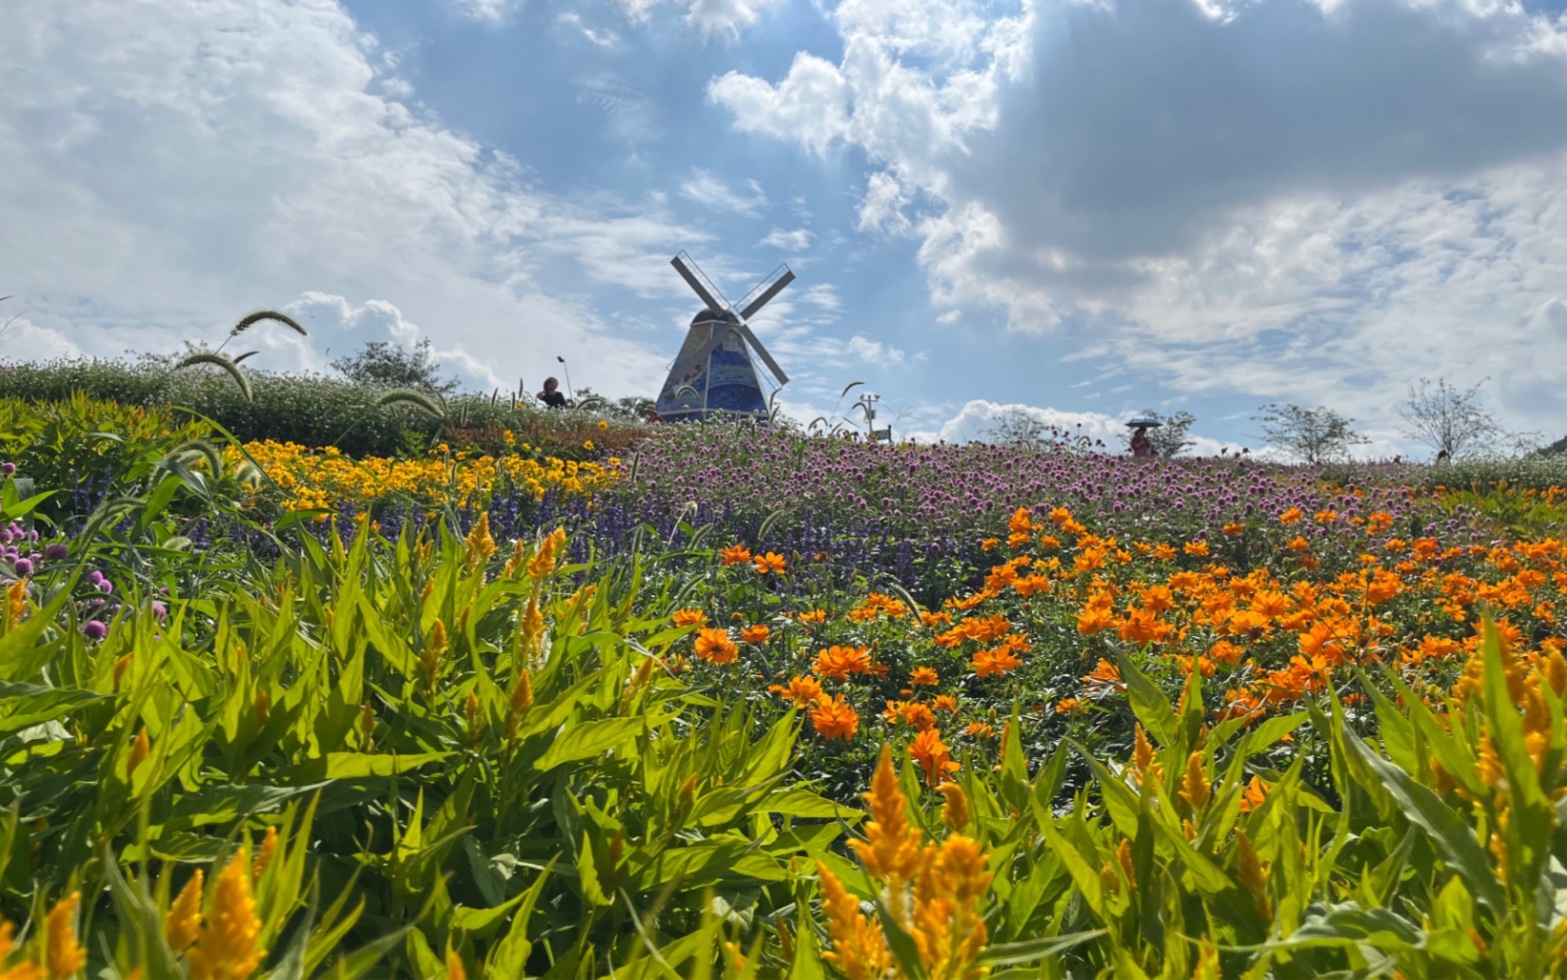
(391, 365)
(1311, 435)
(1169, 439)
(1019, 428)
(1448, 419)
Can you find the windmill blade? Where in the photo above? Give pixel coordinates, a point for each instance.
(767, 294)
(699, 282)
(761, 352)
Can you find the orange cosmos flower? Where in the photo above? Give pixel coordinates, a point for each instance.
(834, 719)
(772, 562)
(1197, 549)
(1291, 516)
(1256, 792)
(935, 619)
(689, 617)
(803, 690)
(1070, 706)
(917, 715)
(814, 616)
(1095, 619)
(737, 554)
(716, 647)
(1299, 545)
(1234, 529)
(933, 756)
(838, 662)
(997, 661)
(757, 634)
(1105, 674)
(945, 702)
(924, 675)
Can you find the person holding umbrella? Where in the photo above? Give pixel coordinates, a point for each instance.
(1141, 445)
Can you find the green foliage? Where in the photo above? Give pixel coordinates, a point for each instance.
(310, 410)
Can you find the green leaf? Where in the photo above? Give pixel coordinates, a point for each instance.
(588, 740)
(1445, 828)
(1149, 703)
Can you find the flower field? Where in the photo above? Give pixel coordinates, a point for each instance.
(750, 704)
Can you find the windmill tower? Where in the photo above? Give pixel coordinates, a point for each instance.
(714, 375)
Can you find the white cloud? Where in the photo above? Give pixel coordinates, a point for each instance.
(725, 16)
(824, 296)
(1308, 201)
(976, 419)
(709, 190)
(872, 351)
(178, 163)
(23, 340)
(810, 105)
(797, 240)
(487, 11)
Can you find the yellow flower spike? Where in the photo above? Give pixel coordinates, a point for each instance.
(955, 811)
(139, 750)
(25, 970)
(183, 923)
(1143, 759)
(1488, 766)
(1123, 854)
(479, 545)
(859, 948)
(1207, 962)
(532, 633)
(264, 854)
(891, 848)
(63, 955)
(522, 692)
(15, 602)
(227, 948)
(454, 967)
(120, 667)
(1195, 788)
(263, 708)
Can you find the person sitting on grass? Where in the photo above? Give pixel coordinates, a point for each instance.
(551, 395)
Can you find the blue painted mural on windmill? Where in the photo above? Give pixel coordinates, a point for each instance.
(714, 376)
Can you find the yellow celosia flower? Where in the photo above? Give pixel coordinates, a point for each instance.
(479, 545)
(947, 930)
(183, 923)
(63, 955)
(264, 854)
(139, 749)
(454, 967)
(954, 812)
(227, 948)
(859, 948)
(15, 601)
(1195, 788)
(891, 848)
(25, 970)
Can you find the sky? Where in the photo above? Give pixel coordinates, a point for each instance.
(1078, 210)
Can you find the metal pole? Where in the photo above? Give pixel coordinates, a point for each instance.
(563, 364)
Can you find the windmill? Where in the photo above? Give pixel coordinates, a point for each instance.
(713, 374)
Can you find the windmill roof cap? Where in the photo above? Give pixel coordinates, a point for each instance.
(710, 316)
(1144, 423)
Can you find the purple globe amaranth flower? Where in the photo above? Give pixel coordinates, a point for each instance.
(95, 577)
(7, 468)
(95, 630)
(160, 612)
(23, 566)
(106, 586)
(58, 551)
